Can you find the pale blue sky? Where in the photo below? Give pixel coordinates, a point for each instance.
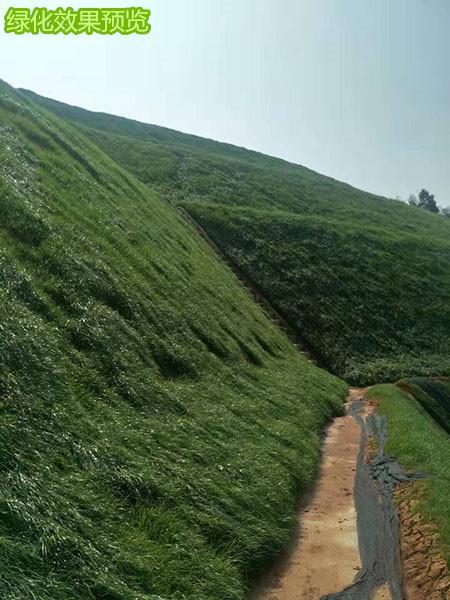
(356, 89)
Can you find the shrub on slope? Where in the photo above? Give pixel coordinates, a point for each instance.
(363, 279)
(156, 427)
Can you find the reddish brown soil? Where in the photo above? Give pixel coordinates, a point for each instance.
(426, 573)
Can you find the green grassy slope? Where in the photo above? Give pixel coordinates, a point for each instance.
(372, 302)
(156, 427)
(364, 280)
(421, 446)
(434, 397)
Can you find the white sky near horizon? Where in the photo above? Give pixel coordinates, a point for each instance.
(355, 89)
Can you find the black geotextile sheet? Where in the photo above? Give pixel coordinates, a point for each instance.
(377, 519)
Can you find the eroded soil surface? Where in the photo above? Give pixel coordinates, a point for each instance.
(426, 574)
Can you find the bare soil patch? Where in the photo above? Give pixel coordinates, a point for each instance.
(426, 573)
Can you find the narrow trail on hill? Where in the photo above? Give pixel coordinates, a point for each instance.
(323, 555)
(346, 544)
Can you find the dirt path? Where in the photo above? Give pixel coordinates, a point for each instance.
(349, 542)
(323, 557)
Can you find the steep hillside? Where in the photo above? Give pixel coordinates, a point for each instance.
(364, 280)
(156, 426)
(373, 302)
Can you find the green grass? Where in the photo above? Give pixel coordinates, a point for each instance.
(434, 397)
(156, 428)
(370, 301)
(178, 422)
(421, 446)
(363, 279)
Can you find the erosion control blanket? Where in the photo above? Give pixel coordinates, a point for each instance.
(378, 521)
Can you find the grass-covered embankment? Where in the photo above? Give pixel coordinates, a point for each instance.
(434, 397)
(421, 446)
(363, 279)
(371, 300)
(156, 428)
